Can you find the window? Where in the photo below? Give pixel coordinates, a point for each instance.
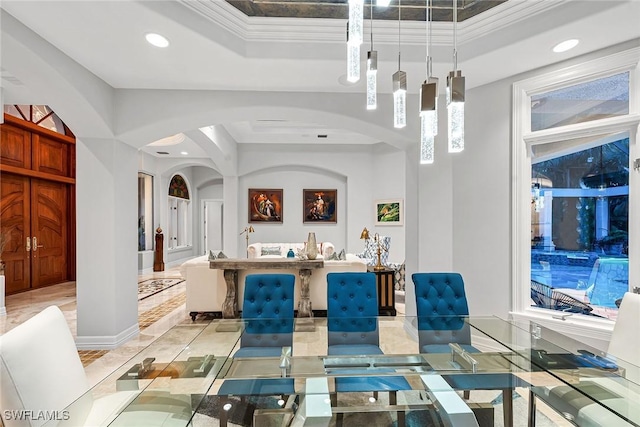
(40, 115)
(579, 228)
(145, 212)
(593, 100)
(179, 214)
(574, 137)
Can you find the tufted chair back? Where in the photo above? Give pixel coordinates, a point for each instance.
(441, 305)
(268, 310)
(352, 309)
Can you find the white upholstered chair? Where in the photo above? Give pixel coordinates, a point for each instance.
(624, 348)
(41, 372)
(625, 343)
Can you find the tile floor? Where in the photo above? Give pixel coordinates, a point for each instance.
(156, 313)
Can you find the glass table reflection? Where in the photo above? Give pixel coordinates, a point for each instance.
(180, 378)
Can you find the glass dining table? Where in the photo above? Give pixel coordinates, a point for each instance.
(188, 376)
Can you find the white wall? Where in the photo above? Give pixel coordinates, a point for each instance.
(349, 169)
(107, 311)
(212, 191)
(389, 183)
(481, 189)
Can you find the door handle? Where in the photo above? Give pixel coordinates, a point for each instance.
(28, 245)
(35, 244)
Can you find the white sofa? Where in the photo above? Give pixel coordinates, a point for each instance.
(206, 288)
(325, 249)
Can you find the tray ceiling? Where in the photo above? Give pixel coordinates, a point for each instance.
(412, 10)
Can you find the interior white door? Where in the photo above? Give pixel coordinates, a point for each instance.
(212, 226)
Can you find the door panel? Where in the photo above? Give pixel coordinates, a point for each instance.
(14, 218)
(15, 149)
(49, 228)
(50, 156)
(212, 226)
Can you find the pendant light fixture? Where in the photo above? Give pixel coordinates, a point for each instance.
(399, 86)
(354, 39)
(428, 102)
(455, 96)
(372, 71)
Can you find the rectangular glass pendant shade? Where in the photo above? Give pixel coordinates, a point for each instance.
(372, 71)
(455, 111)
(456, 126)
(428, 120)
(356, 21)
(353, 62)
(399, 99)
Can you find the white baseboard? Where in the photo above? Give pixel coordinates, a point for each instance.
(107, 342)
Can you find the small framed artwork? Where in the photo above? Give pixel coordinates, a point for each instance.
(265, 205)
(389, 212)
(320, 206)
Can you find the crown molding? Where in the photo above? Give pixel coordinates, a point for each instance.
(310, 30)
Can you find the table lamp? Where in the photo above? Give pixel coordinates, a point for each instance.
(380, 247)
(247, 230)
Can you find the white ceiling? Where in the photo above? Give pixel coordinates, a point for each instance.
(214, 46)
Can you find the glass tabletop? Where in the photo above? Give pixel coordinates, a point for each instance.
(191, 370)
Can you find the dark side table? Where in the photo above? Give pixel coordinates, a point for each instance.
(386, 291)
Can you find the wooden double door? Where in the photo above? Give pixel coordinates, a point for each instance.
(34, 213)
(37, 208)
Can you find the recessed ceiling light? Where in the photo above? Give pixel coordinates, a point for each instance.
(566, 45)
(184, 153)
(157, 40)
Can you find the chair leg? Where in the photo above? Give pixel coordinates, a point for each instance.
(393, 400)
(223, 414)
(507, 406)
(532, 409)
(334, 402)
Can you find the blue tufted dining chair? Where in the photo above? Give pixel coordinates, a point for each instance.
(352, 323)
(268, 309)
(268, 312)
(441, 306)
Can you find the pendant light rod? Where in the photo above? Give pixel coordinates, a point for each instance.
(429, 29)
(455, 35)
(371, 21)
(399, 36)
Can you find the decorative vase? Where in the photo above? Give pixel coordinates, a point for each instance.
(312, 247)
(290, 254)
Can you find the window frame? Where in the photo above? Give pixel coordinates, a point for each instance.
(149, 225)
(183, 229)
(522, 141)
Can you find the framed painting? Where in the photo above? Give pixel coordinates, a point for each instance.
(320, 206)
(265, 205)
(389, 212)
